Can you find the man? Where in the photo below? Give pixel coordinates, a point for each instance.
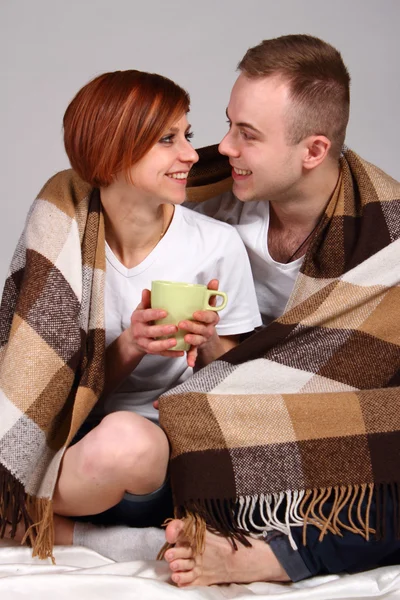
(287, 116)
(283, 144)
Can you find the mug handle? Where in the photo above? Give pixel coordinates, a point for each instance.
(211, 293)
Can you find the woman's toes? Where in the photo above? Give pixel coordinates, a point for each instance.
(182, 565)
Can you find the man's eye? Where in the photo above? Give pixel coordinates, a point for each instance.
(229, 123)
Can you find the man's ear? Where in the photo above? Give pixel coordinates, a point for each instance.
(316, 150)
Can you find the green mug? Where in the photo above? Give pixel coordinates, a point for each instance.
(181, 300)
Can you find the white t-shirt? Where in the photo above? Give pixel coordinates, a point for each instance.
(195, 249)
(273, 281)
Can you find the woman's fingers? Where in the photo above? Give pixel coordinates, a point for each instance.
(157, 331)
(145, 335)
(206, 317)
(192, 356)
(152, 346)
(146, 299)
(195, 340)
(146, 315)
(199, 333)
(204, 326)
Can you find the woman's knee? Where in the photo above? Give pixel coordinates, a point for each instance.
(125, 442)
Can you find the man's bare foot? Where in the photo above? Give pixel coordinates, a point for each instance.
(219, 563)
(63, 531)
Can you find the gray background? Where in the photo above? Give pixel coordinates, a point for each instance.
(50, 48)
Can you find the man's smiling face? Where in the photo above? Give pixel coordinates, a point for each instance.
(264, 165)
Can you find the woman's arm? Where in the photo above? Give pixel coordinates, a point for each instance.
(126, 352)
(206, 344)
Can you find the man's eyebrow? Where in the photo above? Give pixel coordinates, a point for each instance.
(243, 124)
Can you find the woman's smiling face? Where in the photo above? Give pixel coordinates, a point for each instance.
(162, 173)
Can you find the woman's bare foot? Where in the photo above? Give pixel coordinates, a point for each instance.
(219, 563)
(63, 531)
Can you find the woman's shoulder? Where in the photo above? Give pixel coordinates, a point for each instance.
(201, 220)
(224, 207)
(63, 188)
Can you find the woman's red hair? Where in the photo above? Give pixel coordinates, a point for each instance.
(116, 118)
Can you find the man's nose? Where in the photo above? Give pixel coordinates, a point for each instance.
(226, 147)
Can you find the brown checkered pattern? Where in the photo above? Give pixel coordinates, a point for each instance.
(51, 348)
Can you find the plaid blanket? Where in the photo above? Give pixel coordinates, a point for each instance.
(51, 350)
(305, 411)
(52, 341)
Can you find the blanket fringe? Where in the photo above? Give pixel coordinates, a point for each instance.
(36, 515)
(194, 531)
(352, 496)
(216, 515)
(257, 515)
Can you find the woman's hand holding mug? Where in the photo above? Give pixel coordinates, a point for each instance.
(145, 335)
(201, 330)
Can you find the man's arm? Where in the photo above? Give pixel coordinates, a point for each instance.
(216, 348)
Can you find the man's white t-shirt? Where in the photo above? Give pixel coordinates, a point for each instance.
(273, 281)
(195, 249)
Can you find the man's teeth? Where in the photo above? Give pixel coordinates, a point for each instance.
(241, 171)
(178, 175)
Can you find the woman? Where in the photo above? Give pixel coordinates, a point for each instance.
(126, 134)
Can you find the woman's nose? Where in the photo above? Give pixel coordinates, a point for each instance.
(189, 154)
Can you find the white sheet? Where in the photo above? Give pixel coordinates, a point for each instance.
(83, 574)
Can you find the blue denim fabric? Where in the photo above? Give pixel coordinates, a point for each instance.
(290, 559)
(349, 553)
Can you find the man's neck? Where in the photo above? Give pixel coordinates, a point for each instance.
(292, 223)
(303, 209)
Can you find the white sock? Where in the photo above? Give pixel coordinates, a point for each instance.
(120, 542)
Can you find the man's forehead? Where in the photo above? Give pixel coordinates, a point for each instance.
(273, 86)
(253, 99)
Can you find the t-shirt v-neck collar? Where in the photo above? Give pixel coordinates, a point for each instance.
(152, 256)
(293, 265)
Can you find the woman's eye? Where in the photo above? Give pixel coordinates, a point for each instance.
(246, 135)
(167, 139)
(189, 135)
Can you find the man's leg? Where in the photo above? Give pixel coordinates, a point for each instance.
(351, 552)
(277, 561)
